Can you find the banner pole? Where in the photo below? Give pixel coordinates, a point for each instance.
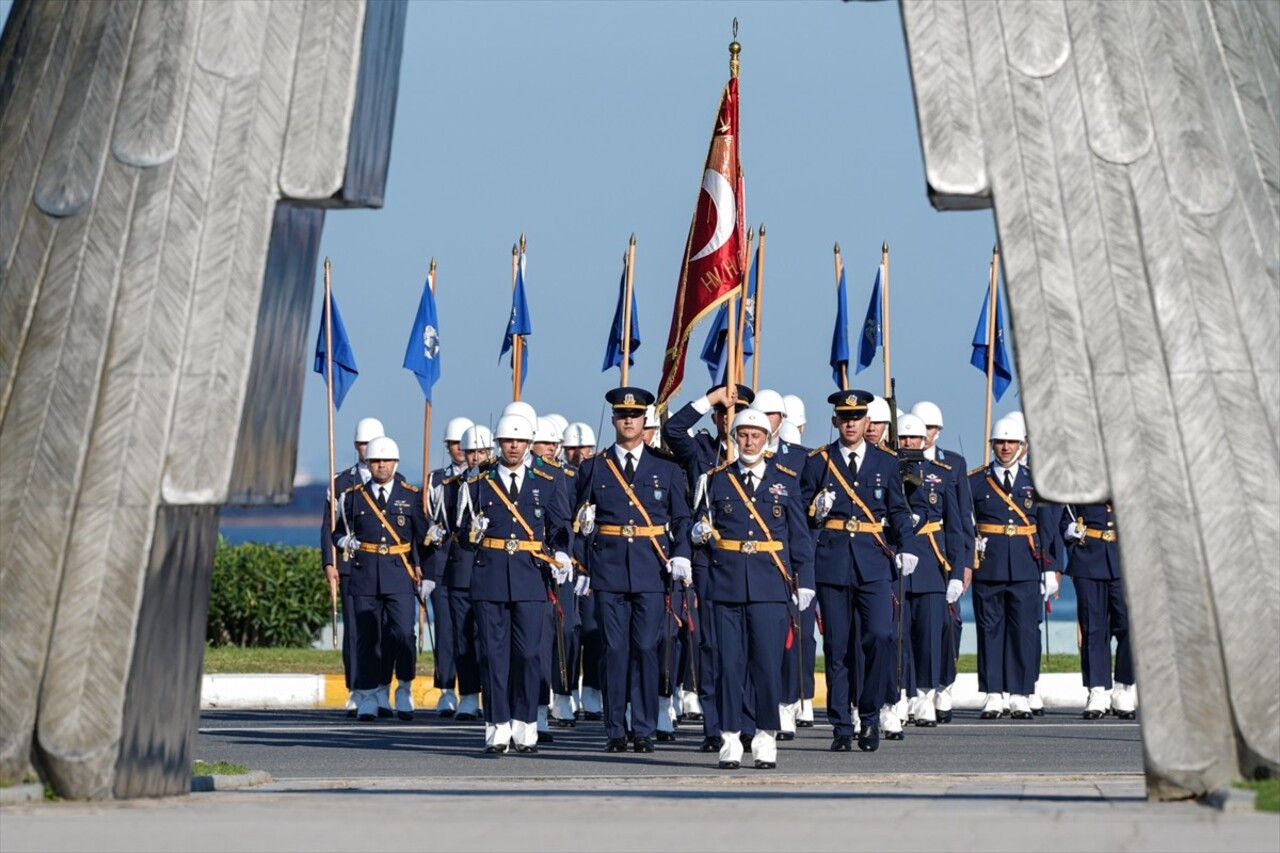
(758, 314)
(626, 311)
(991, 349)
(884, 311)
(328, 372)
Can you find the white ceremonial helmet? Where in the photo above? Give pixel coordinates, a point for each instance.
(752, 418)
(514, 426)
(795, 409)
(524, 410)
(368, 429)
(1017, 416)
(913, 426)
(928, 412)
(651, 420)
(382, 448)
(770, 402)
(789, 432)
(1008, 429)
(456, 427)
(878, 411)
(578, 434)
(547, 431)
(561, 422)
(477, 438)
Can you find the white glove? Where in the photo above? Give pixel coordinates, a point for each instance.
(1049, 584)
(435, 534)
(915, 519)
(587, 519)
(425, 588)
(681, 569)
(907, 563)
(563, 570)
(955, 588)
(1074, 532)
(823, 503)
(479, 524)
(805, 598)
(582, 586)
(701, 533)
(348, 542)
(980, 545)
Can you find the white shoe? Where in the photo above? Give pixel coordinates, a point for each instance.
(592, 701)
(890, 722)
(666, 714)
(942, 704)
(787, 716)
(1019, 707)
(1096, 706)
(524, 733)
(576, 698)
(731, 750)
(1036, 703)
(542, 722)
(994, 706)
(383, 696)
(806, 711)
(404, 700)
(689, 703)
(498, 734)
(764, 750)
(469, 704)
(926, 716)
(366, 704)
(902, 708)
(562, 708)
(447, 705)
(353, 703)
(1123, 701)
(913, 705)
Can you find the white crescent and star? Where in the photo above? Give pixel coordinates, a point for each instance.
(717, 186)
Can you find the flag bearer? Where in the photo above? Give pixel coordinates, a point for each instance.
(477, 444)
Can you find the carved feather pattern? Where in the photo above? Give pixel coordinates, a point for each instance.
(1036, 41)
(1109, 80)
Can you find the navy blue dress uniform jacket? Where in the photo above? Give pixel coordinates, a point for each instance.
(619, 564)
(842, 559)
(964, 499)
(1020, 557)
(341, 483)
(1097, 556)
(402, 522)
(934, 502)
(517, 576)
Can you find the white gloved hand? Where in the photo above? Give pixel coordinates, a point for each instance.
(681, 569)
(563, 570)
(907, 563)
(479, 524)
(435, 534)
(701, 532)
(1074, 532)
(348, 542)
(805, 598)
(425, 588)
(582, 586)
(915, 519)
(1049, 585)
(955, 589)
(587, 519)
(980, 545)
(823, 503)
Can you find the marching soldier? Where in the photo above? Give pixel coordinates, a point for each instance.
(698, 454)
(635, 512)
(337, 568)
(1091, 535)
(797, 675)
(1010, 579)
(560, 640)
(579, 445)
(385, 533)
(446, 668)
(849, 486)
(761, 559)
(515, 513)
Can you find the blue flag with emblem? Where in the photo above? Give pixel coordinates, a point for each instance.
(870, 339)
(613, 349)
(840, 336)
(1002, 367)
(717, 339)
(422, 355)
(344, 360)
(519, 324)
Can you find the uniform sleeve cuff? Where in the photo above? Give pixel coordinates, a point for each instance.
(702, 405)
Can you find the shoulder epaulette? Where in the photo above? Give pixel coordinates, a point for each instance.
(888, 450)
(554, 463)
(356, 487)
(569, 472)
(817, 451)
(410, 486)
(722, 466)
(449, 481)
(944, 466)
(978, 470)
(543, 474)
(663, 453)
(477, 477)
(784, 469)
(769, 454)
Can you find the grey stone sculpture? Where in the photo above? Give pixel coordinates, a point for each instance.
(1131, 151)
(164, 172)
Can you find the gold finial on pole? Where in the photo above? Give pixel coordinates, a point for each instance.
(734, 50)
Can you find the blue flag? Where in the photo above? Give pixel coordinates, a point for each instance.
(871, 338)
(520, 324)
(713, 349)
(1001, 364)
(344, 361)
(840, 337)
(422, 355)
(613, 349)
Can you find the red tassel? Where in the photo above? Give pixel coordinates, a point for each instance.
(791, 634)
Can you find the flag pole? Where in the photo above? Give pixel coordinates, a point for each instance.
(333, 465)
(515, 339)
(626, 311)
(426, 421)
(742, 307)
(758, 314)
(844, 368)
(884, 311)
(991, 348)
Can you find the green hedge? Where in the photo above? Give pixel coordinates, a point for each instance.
(266, 595)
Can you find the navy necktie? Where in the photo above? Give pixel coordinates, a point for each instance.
(513, 491)
(382, 497)
(629, 470)
(1008, 481)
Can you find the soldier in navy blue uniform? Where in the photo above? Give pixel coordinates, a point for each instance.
(384, 531)
(1094, 567)
(518, 518)
(761, 561)
(579, 445)
(698, 453)
(337, 568)
(634, 509)
(477, 444)
(798, 681)
(849, 487)
(1008, 585)
(560, 640)
(939, 545)
(931, 414)
(446, 667)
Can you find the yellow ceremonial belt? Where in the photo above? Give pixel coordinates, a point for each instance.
(387, 527)
(635, 501)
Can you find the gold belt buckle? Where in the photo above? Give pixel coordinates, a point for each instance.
(511, 546)
(629, 531)
(1108, 536)
(383, 550)
(749, 546)
(851, 525)
(1011, 529)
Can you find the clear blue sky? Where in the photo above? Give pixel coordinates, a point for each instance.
(579, 124)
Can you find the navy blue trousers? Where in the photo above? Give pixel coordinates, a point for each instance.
(590, 641)
(799, 660)
(750, 639)
(551, 680)
(870, 606)
(708, 665)
(384, 642)
(446, 671)
(1008, 615)
(953, 629)
(465, 642)
(1103, 614)
(510, 635)
(928, 621)
(348, 630)
(631, 623)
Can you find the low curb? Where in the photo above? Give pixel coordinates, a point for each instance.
(31, 792)
(220, 782)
